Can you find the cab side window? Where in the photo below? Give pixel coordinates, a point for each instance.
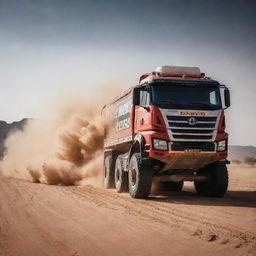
(144, 98)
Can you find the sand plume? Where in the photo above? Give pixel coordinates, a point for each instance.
(65, 147)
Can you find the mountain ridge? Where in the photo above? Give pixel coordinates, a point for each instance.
(7, 128)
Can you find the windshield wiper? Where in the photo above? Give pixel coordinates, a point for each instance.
(202, 104)
(174, 104)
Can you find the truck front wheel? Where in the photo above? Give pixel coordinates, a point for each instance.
(108, 179)
(139, 178)
(217, 181)
(121, 177)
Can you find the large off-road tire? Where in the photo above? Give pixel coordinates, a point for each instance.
(172, 186)
(216, 184)
(121, 177)
(109, 168)
(139, 177)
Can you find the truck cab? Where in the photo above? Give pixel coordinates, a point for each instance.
(174, 131)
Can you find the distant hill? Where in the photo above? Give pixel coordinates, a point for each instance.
(240, 152)
(6, 128)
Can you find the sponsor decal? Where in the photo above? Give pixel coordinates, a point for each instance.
(186, 113)
(122, 115)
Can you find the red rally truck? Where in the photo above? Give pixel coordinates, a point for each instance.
(170, 128)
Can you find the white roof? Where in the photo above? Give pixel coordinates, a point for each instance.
(179, 71)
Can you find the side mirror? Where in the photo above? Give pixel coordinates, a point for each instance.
(136, 96)
(227, 97)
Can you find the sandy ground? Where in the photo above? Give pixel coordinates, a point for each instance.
(38, 219)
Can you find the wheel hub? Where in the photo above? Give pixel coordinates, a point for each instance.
(133, 176)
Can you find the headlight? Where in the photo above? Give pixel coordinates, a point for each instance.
(160, 144)
(221, 145)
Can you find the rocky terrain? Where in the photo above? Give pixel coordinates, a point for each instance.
(6, 128)
(241, 152)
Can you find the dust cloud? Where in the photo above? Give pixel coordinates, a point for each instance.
(63, 148)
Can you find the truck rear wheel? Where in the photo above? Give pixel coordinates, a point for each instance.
(217, 181)
(139, 177)
(108, 179)
(121, 177)
(172, 186)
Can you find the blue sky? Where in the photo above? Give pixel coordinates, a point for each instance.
(49, 46)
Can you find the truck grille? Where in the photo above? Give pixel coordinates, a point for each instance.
(200, 128)
(182, 146)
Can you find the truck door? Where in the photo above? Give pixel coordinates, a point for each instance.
(143, 113)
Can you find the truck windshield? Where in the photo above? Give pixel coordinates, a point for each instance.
(202, 97)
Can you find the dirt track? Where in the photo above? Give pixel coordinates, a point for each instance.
(37, 219)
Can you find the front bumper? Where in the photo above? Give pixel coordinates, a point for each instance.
(187, 160)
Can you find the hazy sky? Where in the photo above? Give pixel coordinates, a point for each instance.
(48, 46)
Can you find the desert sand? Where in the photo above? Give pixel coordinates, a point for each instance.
(39, 219)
